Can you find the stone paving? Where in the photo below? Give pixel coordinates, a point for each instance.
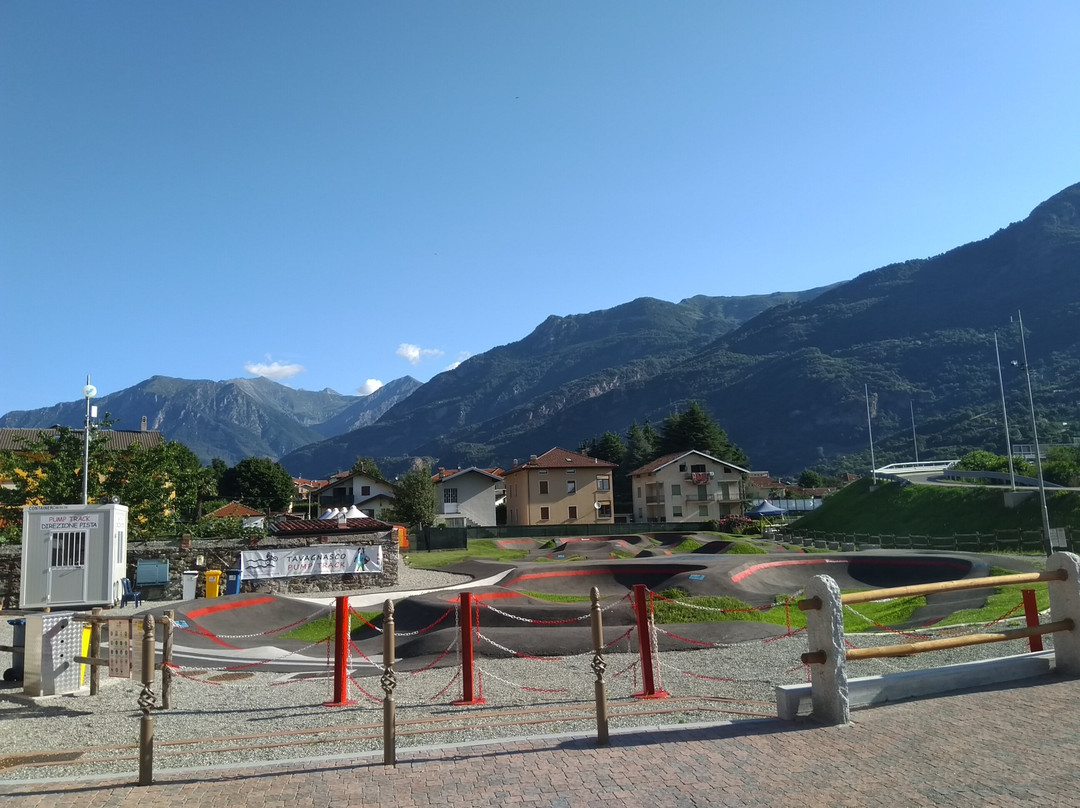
(1006, 746)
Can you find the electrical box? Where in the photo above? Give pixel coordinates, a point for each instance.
(73, 556)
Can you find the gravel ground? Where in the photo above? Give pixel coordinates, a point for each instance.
(226, 718)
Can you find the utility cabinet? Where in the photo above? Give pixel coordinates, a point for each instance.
(73, 556)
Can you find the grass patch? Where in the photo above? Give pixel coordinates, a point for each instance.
(1001, 602)
(478, 548)
(552, 598)
(682, 609)
(687, 545)
(322, 629)
(744, 548)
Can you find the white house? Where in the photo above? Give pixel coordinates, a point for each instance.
(466, 497)
(367, 493)
(688, 487)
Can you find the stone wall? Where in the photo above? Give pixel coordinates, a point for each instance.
(224, 554)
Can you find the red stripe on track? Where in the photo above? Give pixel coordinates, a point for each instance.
(225, 607)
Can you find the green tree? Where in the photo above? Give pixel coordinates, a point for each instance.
(367, 465)
(259, 483)
(695, 429)
(161, 487)
(47, 470)
(641, 446)
(1062, 465)
(414, 498)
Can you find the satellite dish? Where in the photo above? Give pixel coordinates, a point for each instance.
(596, 505)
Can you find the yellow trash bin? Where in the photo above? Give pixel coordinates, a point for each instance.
(213, 583)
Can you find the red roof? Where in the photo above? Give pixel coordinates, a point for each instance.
(561, 459)
(234, 509)
(300, 527)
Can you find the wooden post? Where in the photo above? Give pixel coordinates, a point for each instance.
(603, 737)
(146, 703)
(468, 666)
(645, 648)
(166, 659)
(389, 682)
(95, 650)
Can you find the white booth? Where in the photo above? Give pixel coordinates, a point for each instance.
(73, 556)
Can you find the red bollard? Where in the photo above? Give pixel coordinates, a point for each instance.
(1031, 614)
(341, 655)
(649, 690)
(468, 669)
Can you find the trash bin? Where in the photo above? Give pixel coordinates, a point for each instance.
(232, 582)
(213, 583)
(18, 642)
(191, 580)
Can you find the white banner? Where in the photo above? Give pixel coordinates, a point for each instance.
(319, 559)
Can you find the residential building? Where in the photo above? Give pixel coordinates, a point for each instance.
(560, 487)
(346, 489)
(237, 510)
(466, 497)
(688, 487)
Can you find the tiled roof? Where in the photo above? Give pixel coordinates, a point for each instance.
(561, 459)
(655, 465)
(234, 509)
(325, 527)
(15, 440)
(445, 474)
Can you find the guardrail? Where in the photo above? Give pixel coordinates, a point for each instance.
(828, 654)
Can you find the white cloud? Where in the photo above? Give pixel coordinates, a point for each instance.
(414, 354)
(461, 358)
(278, 371)
(369, 387)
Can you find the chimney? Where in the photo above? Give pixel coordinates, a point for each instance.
(144, 423)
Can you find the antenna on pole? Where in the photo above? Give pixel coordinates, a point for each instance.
(1005, 415)
(1035, 435)
(870, 429)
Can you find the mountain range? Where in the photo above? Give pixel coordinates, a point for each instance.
(796, 379)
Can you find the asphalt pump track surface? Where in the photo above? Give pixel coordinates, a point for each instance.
(253, 628)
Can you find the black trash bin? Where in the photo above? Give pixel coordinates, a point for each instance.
(232, 582)
(18, 642)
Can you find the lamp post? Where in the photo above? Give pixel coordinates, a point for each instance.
(1005, 415)
(88, 392)
(1035, 435)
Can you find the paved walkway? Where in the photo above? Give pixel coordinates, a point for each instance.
(990, 748)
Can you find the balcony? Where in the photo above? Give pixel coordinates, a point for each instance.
(449, 507)
(699, 477)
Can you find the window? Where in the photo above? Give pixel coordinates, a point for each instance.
(449, 495)
(682, 467)
(68, 549)
(365, 490)
(697, 468)
(544, 511)
(569, 471)
(703, 510)
(572, 512)
(543, 487)
(603, 484)
(676, 510)
(676, 490)
(571, 486)
(604, 511)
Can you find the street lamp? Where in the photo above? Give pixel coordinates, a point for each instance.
(88, 392)
(1035, 435)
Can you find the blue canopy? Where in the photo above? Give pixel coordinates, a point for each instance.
(766, 508)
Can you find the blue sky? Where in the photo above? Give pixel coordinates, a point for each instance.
(338, 193)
